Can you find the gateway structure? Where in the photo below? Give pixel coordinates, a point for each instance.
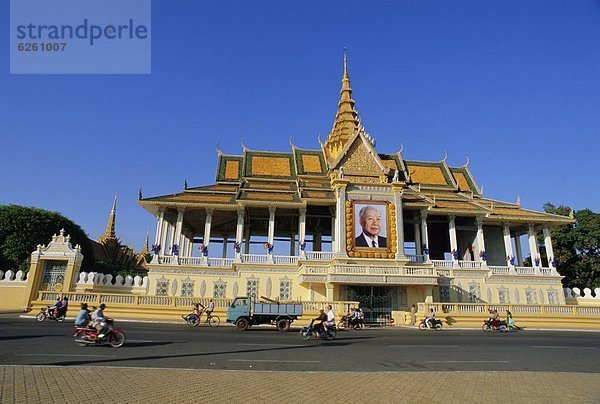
(344, 222)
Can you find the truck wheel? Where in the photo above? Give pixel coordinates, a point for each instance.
(283, 325)
(242, 324)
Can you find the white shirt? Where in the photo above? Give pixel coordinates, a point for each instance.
(330, 316)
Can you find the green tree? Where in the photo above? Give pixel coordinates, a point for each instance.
(577, 247)
(23, 228)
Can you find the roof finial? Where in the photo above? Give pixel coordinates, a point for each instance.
(445, 156)
(345, 63)
(571, 213)
(185, 184)
(401, 148)
(140, 197)
(481, 190)
(219, 152)
(109, 233)
(467, 162)
(518, 200)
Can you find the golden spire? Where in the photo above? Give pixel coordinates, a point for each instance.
(109, 233)
(346, 118)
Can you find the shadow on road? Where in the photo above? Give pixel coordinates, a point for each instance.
(15, 337)
(191, 355)
(146, 344)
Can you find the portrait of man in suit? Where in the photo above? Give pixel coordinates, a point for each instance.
(372, 224)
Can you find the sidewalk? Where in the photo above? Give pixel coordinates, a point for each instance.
(49, 384)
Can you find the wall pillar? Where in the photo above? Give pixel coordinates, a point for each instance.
(225, 239)
(207, 227)
(329, 292)
(518, 249)
(480, 239)
(399, 223)
(533, 245)
(340, 220)
(159, 226)
(239, 232)
(179, 227)
(271, 234)
(424, 234)
(418, 243)
(302, 229)
(508, 246)
(548, 245)
(164, 238)
(171, 237)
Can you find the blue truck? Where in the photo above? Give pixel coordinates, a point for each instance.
(245, 312)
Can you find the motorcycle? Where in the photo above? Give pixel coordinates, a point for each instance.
(88, 335)
(488, 325)
(437, 325)
(309, 332)
(52, 314)
(346, 324)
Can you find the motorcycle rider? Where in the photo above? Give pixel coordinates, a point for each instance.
(64, 305)
(99, 321)
(83, 317)
(430, 320)
(318, 326)
(330, 318)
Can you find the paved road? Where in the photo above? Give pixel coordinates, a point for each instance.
(26, 342)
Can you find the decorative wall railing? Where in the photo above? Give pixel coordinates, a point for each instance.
(186, 303)
(470, 264)
(515, 309)
(575, 293)
(97, 279)
(442, 263)
(15, 278)
(368, 270)
(318, 255)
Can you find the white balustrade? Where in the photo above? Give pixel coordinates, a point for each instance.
(189, 261)
(545, 271)
(220, 262)
(319, 255)
(525, 270)
(168, 259)
(254, 258)
(442, 263)
(285, 259)
(500, 270)
(470, 264)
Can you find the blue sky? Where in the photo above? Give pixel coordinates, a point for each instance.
(514, 85)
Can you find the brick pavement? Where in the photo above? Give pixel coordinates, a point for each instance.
(49, 384)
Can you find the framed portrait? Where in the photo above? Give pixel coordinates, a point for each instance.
(371, 226)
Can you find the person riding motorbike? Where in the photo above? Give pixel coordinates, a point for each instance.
(64, 305)
(99, 321)
(318, 321)
(430, 320)
(354, 317)
(83, 317)
(53, 309)
(495, 318)
(330, 318)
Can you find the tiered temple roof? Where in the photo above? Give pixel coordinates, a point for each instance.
(304, 177)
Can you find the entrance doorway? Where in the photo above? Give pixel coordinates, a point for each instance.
(376, 302)
(54, 275)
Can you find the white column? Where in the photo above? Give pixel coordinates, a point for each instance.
(239, 231)
(292, 244)
(163, 237)
(225, 239)
(399, 224)
(159, 225)
(179, 227)
(533, 246)
(508, 245)
(183, 245)
(271, 234)
(340, 220)
(171, 237)
(518, 249)
(480, 238)
(548, 244)
(452, 231)
(333, 238)
(424, 233)
(207, 226)
(302, 228)
(418, 250)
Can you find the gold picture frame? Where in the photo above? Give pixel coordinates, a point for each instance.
(387, 210)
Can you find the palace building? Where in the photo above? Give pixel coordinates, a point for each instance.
(346, 222)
